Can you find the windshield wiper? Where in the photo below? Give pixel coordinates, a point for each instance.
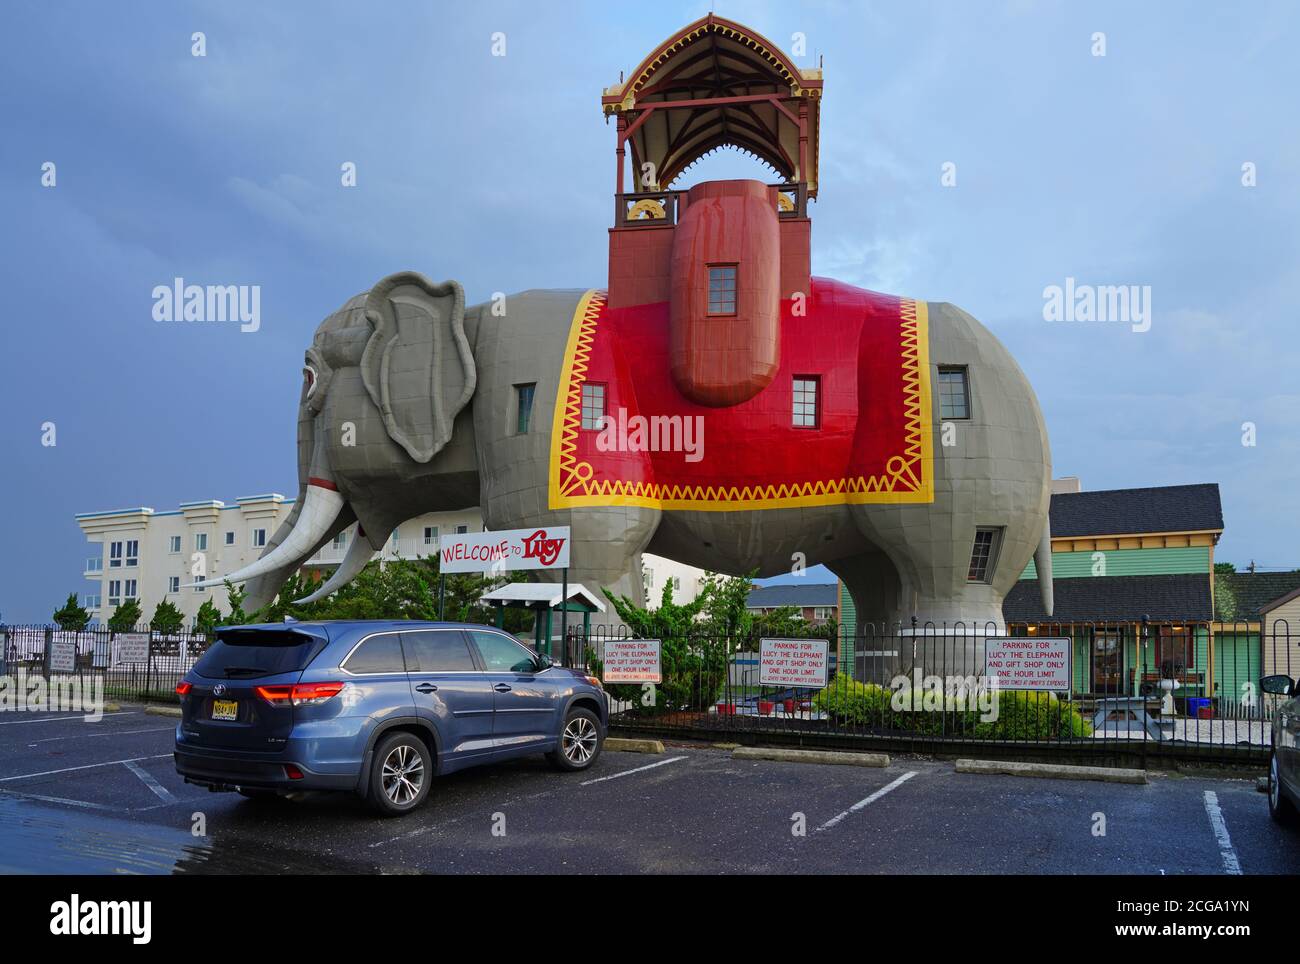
(245, 671)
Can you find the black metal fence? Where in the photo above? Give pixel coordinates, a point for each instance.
(137, 665)
(1136, 689)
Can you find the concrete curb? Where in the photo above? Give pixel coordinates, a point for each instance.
(1052, 771)
(163, 710)
(834, 757)
(112, 707)
(623, 745)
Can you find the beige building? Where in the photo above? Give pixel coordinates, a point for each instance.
(147, 555)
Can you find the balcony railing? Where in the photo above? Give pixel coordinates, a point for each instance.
(95, 565)
(657, 209)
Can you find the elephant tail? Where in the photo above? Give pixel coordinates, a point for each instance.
(1043, 566)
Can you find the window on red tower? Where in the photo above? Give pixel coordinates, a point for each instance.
(722, 289)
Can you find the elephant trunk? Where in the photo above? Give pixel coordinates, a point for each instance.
(359, 554)
(1043, 566)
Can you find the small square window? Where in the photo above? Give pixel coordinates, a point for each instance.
(200, 542)
(954, 392)
(722, 289)
(984, 555)
(230, 538)
(174, 544)
(593, 406)
(462, 530)
(806, 412)
(524, 407)
(259, 538)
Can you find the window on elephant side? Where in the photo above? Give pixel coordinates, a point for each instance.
(722, 289)
(806, 401)
(593, 406)
(984, 555)
(524, 407)
(954, 392)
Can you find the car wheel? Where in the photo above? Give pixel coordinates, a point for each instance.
(400, 774)
(1280, 808)
(580, 741)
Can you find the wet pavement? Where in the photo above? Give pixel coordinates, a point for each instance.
(104, 798)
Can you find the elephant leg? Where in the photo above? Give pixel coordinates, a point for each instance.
(873, 585)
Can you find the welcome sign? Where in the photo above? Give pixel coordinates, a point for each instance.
(545, 547)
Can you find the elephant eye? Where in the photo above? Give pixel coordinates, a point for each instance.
(309, 377)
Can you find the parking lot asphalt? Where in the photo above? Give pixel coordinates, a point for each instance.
(78, 797)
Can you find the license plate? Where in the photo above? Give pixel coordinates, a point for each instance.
(225, 710)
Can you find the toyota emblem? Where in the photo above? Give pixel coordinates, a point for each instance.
(219, 689)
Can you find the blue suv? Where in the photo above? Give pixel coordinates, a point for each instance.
(376, 708)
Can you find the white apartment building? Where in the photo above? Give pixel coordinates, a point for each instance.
(149, 556)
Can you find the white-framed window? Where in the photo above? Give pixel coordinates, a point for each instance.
(823, 612)
(593, 405)
(115, 555)
(341, 540)
(115, 592)
(173, 583)
(133, 552)
(230, 538)
(200, 542)
(461, 530)
(984, 554)
(722, 289)
(259, 539)
(649, 578)
(806, 392)
(91, 600)
(430, 535)
(131, 590)
(173, 543)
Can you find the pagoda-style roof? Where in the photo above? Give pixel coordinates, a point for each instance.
(724, 85)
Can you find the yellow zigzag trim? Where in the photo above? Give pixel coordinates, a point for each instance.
(907, 477)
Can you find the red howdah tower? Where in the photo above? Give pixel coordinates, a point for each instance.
(725, 255)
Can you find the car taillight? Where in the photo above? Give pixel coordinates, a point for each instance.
(183, 688)
(300, 694)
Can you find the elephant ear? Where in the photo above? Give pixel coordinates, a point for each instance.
(417, 366)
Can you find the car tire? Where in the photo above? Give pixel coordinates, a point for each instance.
(1280, 808)
(580, 741)
(399, 774)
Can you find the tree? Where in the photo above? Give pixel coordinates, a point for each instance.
(126, 617)
(166, 618)
(207, 618)
(72, 617)
(235, 598)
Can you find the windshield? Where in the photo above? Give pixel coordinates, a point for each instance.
(250, 653)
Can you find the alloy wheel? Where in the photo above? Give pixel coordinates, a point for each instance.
(403, 774)
(579, 740)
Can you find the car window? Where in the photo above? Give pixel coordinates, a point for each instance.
(252, 653)
(378, 654)
(439, 651)
(502, 655)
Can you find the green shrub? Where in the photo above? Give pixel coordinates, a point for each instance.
(846, 700)
(1025, 715)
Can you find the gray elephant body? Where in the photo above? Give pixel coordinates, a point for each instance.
(408, 409)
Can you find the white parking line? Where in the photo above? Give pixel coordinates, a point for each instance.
(628, 773)
(88, 766)
(868, 800)
(86, 736)
(1230, 863)
(64, 800)
(148, 780)
(55, 719)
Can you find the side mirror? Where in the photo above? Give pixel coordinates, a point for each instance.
(1279, 685)
(545, 662)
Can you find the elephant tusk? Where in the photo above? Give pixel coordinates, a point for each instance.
(359, 554)
(320, 507)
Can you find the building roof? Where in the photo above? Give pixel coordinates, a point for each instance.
(793, 594)
(1110, 512)
(1247, 595)
(543, 592)
(1184, 597)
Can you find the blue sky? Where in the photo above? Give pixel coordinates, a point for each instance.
(497, 171)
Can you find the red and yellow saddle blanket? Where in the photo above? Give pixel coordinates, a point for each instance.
(641, 442)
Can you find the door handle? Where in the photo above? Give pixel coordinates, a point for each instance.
(502, 687)
(426, 688)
